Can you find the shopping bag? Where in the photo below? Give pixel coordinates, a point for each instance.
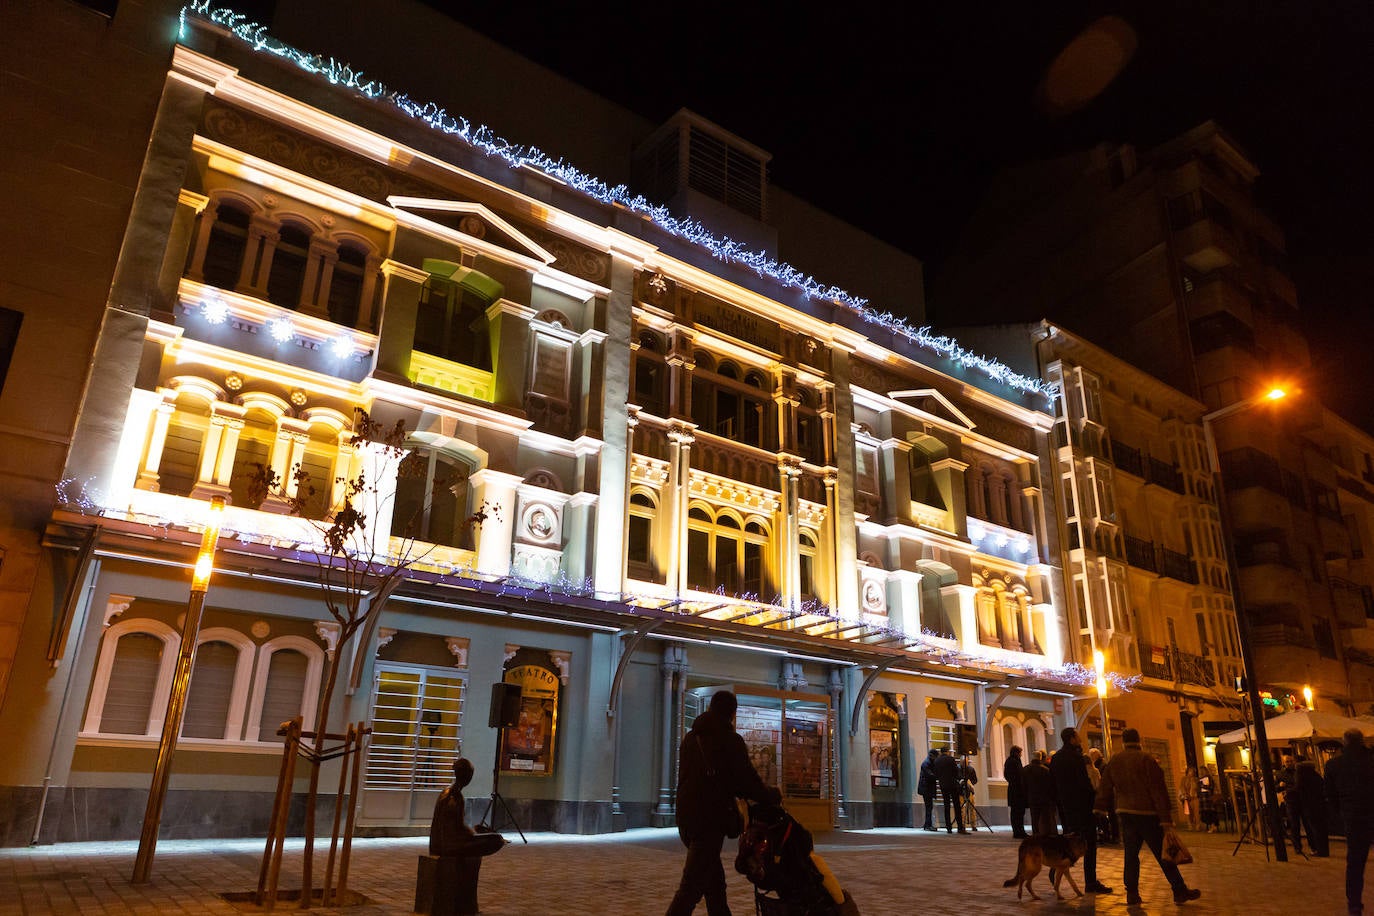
(1174, 852)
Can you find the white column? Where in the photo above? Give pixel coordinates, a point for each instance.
(157, 440)
(496, 491)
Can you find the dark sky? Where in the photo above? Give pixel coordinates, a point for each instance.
(892, 115)
(932, 97)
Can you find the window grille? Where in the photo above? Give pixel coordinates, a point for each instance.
(417, 727)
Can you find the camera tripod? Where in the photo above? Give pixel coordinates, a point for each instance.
(972, 816)
(496, 793)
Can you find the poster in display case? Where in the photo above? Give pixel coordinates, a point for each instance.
(527, 748)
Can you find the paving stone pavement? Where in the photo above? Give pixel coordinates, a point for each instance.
(890, 872)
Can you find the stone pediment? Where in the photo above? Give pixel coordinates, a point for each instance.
(934, 403)
(474, 221)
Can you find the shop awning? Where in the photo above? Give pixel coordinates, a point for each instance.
(1303, 725)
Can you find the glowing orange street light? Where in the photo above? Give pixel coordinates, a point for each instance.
(1307, 695)
(1276, 393)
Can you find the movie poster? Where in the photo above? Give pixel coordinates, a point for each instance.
(882, 757)
(527, 748)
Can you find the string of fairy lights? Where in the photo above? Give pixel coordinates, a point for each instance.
(483, 139)
(930, 645)
(812, 614)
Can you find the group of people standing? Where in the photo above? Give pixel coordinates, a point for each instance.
(1077, 788)
(945, 775)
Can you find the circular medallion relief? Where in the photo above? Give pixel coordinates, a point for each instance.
(261, 629)
(539, 522)
(873, 597)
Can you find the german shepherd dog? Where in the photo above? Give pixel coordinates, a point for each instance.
(1058, 852)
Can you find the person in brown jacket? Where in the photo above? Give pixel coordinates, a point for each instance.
(1133, 786)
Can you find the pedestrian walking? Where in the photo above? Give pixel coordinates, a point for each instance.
(1133, 786)
(1039, 785)
(713, 770)
(1012, 771)
(1350, 789)
(1188, 798)
(928, 787)
(947, 774)
(1073, 789)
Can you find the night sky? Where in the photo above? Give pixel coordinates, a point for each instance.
(941, 95)
(933, 98)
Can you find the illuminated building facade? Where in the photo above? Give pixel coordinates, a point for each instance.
(1163, 258)
(701, 469)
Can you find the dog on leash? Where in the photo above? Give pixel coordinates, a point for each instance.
(1058, 852)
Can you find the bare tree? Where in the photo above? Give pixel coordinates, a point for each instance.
(357, 565)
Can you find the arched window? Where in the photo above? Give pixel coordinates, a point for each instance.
(286, 685)
(639, 536)
(451, 323)
(179, 466)
(1035, 737)
(289, 258)
(727, 406)
(432, 500)
(806, 549)
(219, 686)
(228, 241)
(132, 676)
(254, 452)
(346, 285)
(923, 487)
(722, 554)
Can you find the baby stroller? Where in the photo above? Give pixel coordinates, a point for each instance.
(776, 854)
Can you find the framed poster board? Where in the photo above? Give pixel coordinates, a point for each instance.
(527, 748)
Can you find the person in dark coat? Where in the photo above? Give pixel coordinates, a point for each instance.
(947, 774)
(713, 770)
(1016, 792)
(1350, 789)
(927, 787)
(1074, 791)
(1312, 807)
(1038, 782)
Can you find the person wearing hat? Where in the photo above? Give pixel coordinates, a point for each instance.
(1133, 786)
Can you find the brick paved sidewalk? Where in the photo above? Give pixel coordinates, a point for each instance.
(890, 873)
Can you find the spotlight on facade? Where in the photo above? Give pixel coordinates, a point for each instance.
(1307, 695)
(281, 329)
(214, 309)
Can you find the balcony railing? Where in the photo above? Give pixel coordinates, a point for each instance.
(1127, 459)
(1177, 565)
(1178, 666)
(1140, 553)
(1164, 474)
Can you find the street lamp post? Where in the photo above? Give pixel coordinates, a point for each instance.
(1100, 663)
(1247, 653)
(176, 700)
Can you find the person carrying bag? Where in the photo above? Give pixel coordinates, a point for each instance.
(1133, 786)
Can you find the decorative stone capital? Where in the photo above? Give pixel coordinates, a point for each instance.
(328, 631)
(384, 636)
(458, 646)
(116, 605)
(564, 662)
